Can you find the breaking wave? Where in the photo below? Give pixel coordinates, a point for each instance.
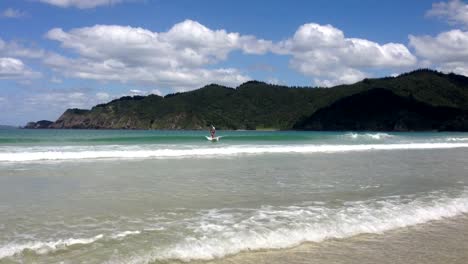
(217, 233)
(369, 136)
(222, 232)
(40, 247)
(122, 152)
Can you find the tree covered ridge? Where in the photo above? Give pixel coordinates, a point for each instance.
(259, 105)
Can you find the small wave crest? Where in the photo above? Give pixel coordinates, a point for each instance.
(125, 234)
(40, 247)
(133, 152)
(457, 139)
(371, 136)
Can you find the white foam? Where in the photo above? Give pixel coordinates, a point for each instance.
(40, 247)
(123, 153)
(125, 233)
(221, 233)
(374, 136)
(457, 139)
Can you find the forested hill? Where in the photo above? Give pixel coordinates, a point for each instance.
(412, 98)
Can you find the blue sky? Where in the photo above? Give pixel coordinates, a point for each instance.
(58, 54)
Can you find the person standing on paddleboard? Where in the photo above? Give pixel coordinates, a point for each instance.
(212, 131)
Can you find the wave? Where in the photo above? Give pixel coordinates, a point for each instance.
(372, 136)
(221, 233)
(134, 152)
(40, 247)
(457, 139)
(216, 233)
(125, 234)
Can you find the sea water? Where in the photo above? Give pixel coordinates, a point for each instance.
(114, 196)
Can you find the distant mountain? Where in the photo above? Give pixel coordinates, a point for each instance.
(419, 100)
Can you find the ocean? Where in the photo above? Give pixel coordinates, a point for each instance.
(122, 196)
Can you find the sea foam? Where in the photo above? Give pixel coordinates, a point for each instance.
(216, 233)
(41, 247)
(371, 136)
(222, 232)
(122, 153)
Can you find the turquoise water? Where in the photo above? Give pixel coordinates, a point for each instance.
(110, 196)
(24, 137)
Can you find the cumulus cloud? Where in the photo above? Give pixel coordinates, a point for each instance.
(16, 49)
(11, 68)
(454, 11)
(180, 57)
(12, 13)
(324, 53)
(445, 47)
(81, 4)
(176, 58)
(448, 51)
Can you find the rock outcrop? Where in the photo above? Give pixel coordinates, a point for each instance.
(39, 124)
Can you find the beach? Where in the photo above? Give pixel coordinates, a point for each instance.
(116, 196)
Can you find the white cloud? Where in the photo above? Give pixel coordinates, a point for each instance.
(324, 53)
(101, 96)
(15, 49)
(175, 58)
(445, 47)
(448, 51)
(455, 67)
(136, 92)
(342, 76)
(55, 80)
(156, 92)
(12, 13)
(273, 80)
(455, 11)
(179, 57)
(58, 100)
(11, 68)
(82, 4)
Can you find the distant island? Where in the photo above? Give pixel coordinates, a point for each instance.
(421, 100)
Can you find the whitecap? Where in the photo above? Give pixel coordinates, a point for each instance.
(214, 152)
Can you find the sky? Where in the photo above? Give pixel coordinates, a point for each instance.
(59, 54)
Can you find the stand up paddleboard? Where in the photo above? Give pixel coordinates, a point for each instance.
(212, 139)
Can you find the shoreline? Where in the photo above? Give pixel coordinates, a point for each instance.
(437, 242)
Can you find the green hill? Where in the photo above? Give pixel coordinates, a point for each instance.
(258, 105)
